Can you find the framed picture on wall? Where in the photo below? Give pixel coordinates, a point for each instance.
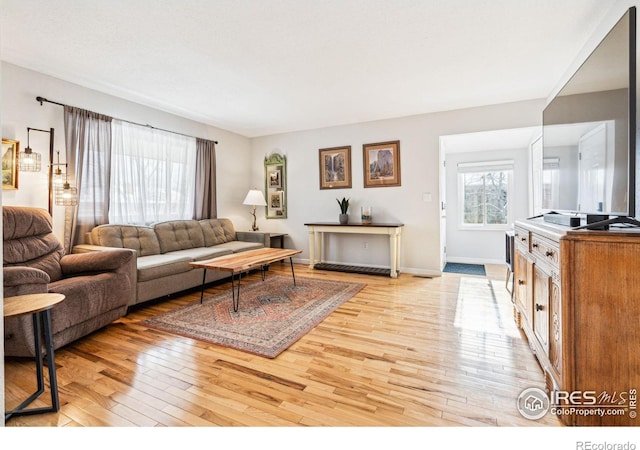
(275, 180)
(275, 201)
(335, 167)
(10, 151)
(381, 163)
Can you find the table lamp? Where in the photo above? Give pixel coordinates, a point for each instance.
(254, 198)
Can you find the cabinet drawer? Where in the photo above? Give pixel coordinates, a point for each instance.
(521, 239)
(545, 249)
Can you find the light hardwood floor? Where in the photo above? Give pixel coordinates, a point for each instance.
(409, 352)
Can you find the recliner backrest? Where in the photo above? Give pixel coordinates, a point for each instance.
(28, 240)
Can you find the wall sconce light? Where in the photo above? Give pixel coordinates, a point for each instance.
(254, 198)
(59, 177)
(29, 161)
(67, 195)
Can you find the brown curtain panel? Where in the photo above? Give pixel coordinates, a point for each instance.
(88, 143)
(205, 194)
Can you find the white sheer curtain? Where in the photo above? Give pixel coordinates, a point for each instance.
(152, 174)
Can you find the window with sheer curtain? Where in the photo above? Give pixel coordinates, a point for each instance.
(152, 175)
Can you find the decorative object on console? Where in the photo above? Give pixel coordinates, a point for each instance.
(381, 164)
(254, 198)
(275, 174)
(344, 208)
(366, 215)
(335, 167)
(10, 152)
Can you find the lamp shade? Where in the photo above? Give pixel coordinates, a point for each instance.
(29, 161)
(255, 198)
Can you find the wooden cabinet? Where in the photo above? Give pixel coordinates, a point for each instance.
(577, 301)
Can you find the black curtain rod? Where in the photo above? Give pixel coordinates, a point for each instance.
(42, 99)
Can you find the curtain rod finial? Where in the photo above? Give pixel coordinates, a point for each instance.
(40, 100)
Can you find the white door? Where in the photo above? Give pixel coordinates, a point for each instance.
(442, 207)
(592, 154)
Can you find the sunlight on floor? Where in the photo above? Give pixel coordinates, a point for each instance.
(483, 305)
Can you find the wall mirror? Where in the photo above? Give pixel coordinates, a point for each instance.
(275, 179)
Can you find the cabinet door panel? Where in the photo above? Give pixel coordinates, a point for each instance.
(555, 335)
(521, 285)
(541, 282)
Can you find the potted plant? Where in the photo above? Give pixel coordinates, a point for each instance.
(344, 207)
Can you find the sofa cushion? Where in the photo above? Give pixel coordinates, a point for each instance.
(179, 235)
(229, 231)
(157, 266)
(239, 246)
(203, 253)
(214, 233)
(136, 237)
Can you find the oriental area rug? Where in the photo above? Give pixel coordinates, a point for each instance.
(272, 314)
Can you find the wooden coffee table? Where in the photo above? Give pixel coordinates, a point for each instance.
(239, 263)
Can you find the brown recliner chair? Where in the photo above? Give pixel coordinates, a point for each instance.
(96, 285)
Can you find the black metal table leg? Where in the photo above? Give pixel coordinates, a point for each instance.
(45, 318)
(292, 272)
(51, 361)
(204, 277)
(236, 296)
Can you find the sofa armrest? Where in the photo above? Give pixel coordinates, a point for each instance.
(112, 260)
(21, 280)
(16, 275)
(133, 275)
(86, 248)
(254, 236)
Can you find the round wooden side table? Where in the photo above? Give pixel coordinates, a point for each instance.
(38, 306)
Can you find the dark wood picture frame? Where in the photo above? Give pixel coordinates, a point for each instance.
(381, 164)
(335, 167)
(10, 155)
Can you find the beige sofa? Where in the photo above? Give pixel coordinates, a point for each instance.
(164, 250)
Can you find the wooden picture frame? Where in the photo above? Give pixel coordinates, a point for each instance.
(381, 164)
(335, 167)
(275, 203)
(275, 178)
(275, 181)
(10, 155)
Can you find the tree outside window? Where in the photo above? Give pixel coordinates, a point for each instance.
(484, 195)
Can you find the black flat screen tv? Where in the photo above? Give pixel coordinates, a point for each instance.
(589, 132)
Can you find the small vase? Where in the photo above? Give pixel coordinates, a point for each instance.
(366, 214)
(344, 219)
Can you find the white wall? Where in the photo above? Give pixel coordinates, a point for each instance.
(419, 152)
(483, 246)
(20, 110)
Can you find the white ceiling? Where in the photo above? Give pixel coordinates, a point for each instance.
(259, 67)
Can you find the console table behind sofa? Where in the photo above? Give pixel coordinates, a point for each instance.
(316, 238)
